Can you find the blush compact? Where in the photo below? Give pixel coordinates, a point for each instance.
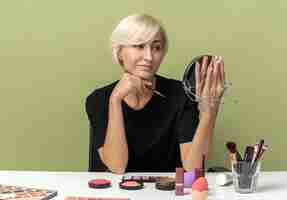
(131, 185)
(99, 183)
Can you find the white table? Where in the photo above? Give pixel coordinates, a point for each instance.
(272, 185)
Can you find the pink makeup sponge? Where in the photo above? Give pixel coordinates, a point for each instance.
(199, 189)
(200, 185)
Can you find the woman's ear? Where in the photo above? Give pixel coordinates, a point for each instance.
(120, 57)
(117, 57)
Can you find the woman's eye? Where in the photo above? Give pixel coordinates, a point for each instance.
(158, 47)
(139, 46)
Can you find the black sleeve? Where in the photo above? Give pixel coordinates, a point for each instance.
(97, 111)
(187, 120)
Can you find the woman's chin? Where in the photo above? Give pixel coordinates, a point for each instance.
(145, 75)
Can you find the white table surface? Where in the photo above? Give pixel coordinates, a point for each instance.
(272, 185)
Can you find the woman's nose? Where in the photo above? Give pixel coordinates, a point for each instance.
(148, 53)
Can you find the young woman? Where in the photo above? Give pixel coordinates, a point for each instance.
(145, 122)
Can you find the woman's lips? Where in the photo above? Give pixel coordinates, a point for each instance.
(149, 67)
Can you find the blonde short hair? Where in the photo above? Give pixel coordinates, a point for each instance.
(136, 29)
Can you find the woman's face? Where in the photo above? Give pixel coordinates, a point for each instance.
(143, 60)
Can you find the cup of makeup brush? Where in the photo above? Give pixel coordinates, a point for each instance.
(245, 176)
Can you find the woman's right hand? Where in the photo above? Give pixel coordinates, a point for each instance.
(130, 85)
(210, 81)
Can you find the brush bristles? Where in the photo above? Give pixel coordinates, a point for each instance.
(231, 146)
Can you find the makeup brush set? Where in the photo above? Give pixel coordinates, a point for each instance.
(252, 155)
(245, 170)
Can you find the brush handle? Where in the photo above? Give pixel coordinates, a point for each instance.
(261, 143)
(238, 156)
(158, 93)
(259, 150)
(248, 155)
(233, 158)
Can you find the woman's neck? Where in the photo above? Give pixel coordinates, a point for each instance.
(138, 101)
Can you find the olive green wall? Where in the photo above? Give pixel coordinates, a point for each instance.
(54, 53)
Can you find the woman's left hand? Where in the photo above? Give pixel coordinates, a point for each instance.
(210, 84)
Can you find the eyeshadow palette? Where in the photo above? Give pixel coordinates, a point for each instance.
(25, 193)
(95, 198)
(144, 179)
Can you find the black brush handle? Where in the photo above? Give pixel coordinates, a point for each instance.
(238, 156)
(248, 155)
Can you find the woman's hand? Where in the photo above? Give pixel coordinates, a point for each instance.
(130, 85)
(210, 84)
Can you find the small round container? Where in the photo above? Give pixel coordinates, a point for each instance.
(99, 183)
(131, 185)
(165, 183)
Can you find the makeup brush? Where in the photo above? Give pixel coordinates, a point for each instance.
(248, 155)
(234, 154)
(158, 93)
(147, 86)
(255, 152)
(261, 143)
(264, 148)
(254, 163)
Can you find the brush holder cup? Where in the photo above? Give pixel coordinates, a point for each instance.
(245, 176)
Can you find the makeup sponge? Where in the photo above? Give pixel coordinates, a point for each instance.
(200, 184)
(200, 189)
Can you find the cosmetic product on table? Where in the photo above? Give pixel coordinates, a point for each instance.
(165, 183)
(94, 198)
(245, 176)
(248, 155)
(233, 153)
(264, 148)
(223, 179)
(189, 178)
(99, 183)
(200, 189)
(131, 185)
(258, 153)
(145, 179)
(245, 172)
(179, 178)
(12, 192)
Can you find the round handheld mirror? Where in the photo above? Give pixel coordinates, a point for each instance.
(189, 77)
